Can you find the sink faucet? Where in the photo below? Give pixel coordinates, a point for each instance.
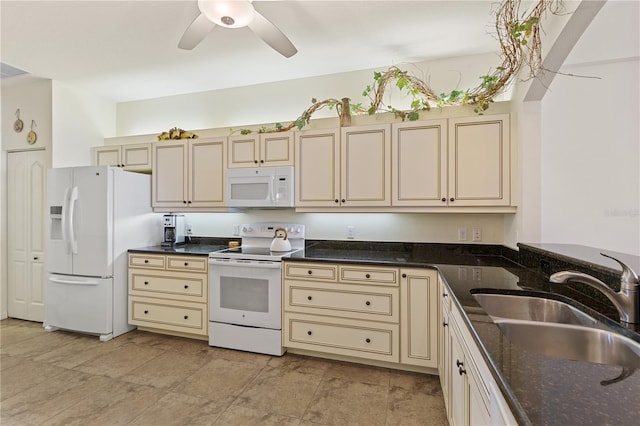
(627, 300)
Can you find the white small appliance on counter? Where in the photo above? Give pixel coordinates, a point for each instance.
(96, 214)
(245, 289)
(262, 187)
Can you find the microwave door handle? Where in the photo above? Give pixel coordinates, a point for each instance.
(273, 188)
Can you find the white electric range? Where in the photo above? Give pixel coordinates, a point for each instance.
(245, 290)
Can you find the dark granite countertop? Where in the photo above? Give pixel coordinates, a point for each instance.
(196, 246)
(540, 390)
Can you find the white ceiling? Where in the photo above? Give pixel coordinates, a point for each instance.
(127, 50)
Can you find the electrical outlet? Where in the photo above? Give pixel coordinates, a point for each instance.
(462, 234)
(476, 234)
(351, 232)
(462, 274)
(236, 229)
(477, 274)
(189, 229)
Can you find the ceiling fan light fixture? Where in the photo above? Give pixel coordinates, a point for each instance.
(230, 14)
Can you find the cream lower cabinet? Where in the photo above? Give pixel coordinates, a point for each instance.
(418, 318)
(261, 149)
(134, 157)
(342, 310)
(350, 167)
(189, 174)
(169, 294)
(471, 394)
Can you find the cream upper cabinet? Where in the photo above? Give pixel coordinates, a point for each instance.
(317, 181)
(349, 167)
(263, 149)
(479, 161)
(189, 174)
(134, 157)
(365, 166)
(419, 172)
(419, 317)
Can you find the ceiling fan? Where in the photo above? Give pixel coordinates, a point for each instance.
(234, 14)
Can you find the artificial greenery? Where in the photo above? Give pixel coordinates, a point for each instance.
(519, 36)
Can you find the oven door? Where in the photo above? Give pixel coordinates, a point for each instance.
(245, 292)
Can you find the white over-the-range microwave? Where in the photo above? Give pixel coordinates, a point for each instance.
(266, 187)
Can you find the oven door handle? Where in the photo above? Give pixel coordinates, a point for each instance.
(245, 264)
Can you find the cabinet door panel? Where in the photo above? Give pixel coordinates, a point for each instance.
(317, 169)
(479, 152)
(419, 175)
(419, 317)
(206, 173)
(276, 149)
(107, 156)
(169, 174)
(243, 151)
(366, 166)
(136, 157)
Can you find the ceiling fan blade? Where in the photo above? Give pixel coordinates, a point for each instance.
(272, 35)
(196, 32)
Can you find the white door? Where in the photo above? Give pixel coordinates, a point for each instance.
(26, 183)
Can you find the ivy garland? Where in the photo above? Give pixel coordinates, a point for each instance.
(519, 35)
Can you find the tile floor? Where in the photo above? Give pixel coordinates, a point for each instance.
(143, 378)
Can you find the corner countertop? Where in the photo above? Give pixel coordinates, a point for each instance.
(540, 390)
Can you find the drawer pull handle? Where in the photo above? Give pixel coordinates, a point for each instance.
(309, 297)
(309, 332)
(367, 303)
(146, 261)
(309, 272)
(186, 286)
(186, 263)
(146, 312)
(367, 340)
(186, 317)
(367, 276)
(404, 275)
(146, 283)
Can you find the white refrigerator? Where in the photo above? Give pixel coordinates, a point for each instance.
(95, 214)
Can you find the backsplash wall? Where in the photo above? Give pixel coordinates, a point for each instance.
(409, 227)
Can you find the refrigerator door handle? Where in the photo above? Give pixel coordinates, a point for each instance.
(72, 237)
(54, 279)
(65, 220)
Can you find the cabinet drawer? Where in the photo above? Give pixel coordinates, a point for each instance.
(348, 337)
(146, 261)
(185, 263)
(190, 287)
(323, 272)
(342, 300)
(364, 275)
(184, 317)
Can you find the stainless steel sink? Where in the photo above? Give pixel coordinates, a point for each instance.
(572, 342)
(531, 308)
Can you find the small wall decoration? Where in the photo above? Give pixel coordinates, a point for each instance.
(18, 125)
(176, 133)
(32, 136)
